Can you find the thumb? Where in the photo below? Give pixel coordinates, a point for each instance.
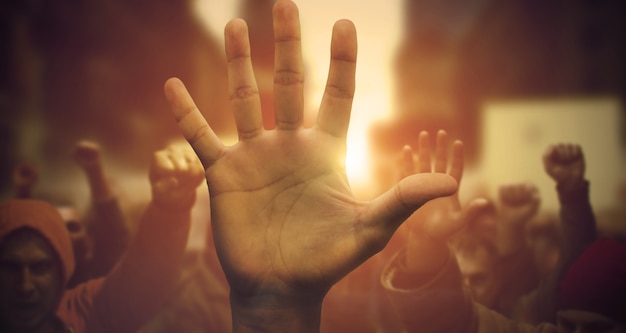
(394, 206)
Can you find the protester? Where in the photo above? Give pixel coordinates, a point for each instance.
(565, 164)
(100, 235)
(36, 260)
(587, 298)
(104, 230)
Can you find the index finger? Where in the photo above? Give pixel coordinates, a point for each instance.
(191, 123)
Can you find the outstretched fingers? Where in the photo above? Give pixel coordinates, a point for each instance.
(334, 113)
(424, 163)
(407, 164)
(191, 122)
(288, 67)
(441, 152)
(242, 86)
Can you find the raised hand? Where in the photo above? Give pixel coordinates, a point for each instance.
(441, 217)
(175, 174)
(518, 203)
(87, 154)
(565, 163)
(433, 224)
(285, 222)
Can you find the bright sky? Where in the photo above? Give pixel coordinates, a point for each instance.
(378, 27)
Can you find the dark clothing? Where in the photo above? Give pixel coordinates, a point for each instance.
(578, 231)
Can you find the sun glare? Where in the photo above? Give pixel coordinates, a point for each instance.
(376, 43)
(357, 162)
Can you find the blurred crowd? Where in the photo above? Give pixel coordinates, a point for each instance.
(173, 255)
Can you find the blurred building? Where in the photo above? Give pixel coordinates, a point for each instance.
(456, 55)
(95, 70)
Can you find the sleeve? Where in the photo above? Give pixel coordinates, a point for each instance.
(438, 304)
(76, 305)
(578, 223)
(578, 230)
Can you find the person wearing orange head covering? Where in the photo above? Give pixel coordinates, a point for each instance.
(36, 260)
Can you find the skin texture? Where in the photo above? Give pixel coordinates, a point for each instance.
(30, 282)
(285, 222)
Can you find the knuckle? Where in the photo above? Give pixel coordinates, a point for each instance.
(287, 77)
(244, 92)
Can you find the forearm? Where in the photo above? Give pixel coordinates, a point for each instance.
(276, 314)
(110, 233)
(578, 222)
(434, 303)
(160, 240)
(145, 276)
(98, 183)
(578, 230)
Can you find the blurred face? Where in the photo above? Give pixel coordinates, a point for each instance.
(30, 281)
(479, 276)
(578, 321)
(77, 231)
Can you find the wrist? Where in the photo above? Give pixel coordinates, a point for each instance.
(179, 204)
(573, 193)
(570, 185)
(273, 313)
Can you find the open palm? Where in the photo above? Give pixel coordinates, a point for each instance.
(284, 219)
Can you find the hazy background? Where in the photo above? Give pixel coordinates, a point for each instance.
(506, 77)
